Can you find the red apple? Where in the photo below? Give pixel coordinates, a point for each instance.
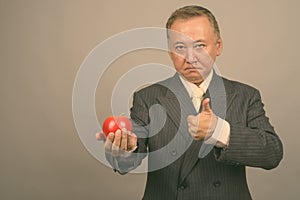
(113, 123)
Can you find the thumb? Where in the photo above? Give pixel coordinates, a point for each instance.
(205, 105)
(100, 136)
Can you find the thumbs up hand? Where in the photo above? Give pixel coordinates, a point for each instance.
(204, 124)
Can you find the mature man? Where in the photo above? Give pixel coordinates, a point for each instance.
(213, 127)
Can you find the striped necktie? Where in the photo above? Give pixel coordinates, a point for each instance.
(197, 96)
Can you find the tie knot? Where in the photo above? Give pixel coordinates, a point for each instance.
(197, 92)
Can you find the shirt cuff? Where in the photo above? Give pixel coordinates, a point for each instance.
(220, 137)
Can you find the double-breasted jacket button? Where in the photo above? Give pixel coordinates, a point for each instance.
(182, 186)
(216, 183)
(174, 152)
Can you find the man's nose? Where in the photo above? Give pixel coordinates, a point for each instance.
(190, 56)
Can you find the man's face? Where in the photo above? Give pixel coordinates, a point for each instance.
(193, 48)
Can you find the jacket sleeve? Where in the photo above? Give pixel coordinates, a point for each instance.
(139, 118)
(253, 141)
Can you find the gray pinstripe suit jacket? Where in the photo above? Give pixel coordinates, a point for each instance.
(179, 172)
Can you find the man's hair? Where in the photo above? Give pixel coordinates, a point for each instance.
(188, 12)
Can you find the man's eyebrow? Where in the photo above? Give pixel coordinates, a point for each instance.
(178, 42)
(199, 41)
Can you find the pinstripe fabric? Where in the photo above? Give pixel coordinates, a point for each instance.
(221, 174)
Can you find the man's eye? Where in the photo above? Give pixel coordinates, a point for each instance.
(179, 48)
(199, 46)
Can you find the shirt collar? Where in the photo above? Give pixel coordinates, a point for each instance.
(204, 85)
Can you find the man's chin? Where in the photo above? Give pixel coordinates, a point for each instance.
(194, 79)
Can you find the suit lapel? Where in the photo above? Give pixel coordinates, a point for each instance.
(221, 95)
(178, 106)
(177, 95)
(191, 156)
(221, 98)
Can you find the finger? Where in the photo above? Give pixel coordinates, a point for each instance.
(205, 105)
(115, 150)
(193, 129)
(192, 120)
(199, 136)
(100, 136)
(108, 142)
(132, 141)
(116, 144)
(195, 134)
(124, 139)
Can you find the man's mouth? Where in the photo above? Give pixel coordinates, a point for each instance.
(193, 68)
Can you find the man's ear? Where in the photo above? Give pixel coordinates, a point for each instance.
(219, 46)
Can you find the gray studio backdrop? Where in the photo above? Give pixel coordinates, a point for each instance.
(43, 44)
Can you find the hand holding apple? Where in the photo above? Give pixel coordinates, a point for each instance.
(119, 138)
